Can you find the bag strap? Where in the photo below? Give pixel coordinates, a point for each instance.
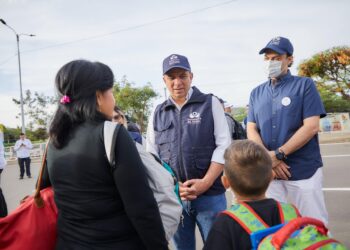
(287, 212)
(110, 132)
(332, 242)
(244, 215)
(281, 236)
(38, 201)
(234, 124)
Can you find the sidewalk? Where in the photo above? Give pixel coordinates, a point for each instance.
(333, 137)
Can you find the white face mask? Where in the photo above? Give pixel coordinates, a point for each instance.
(274, 68)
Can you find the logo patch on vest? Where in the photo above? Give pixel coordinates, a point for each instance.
(194, 118)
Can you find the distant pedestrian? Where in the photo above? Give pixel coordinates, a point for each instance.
(120, 117)
(3, 206)
(237, 131)
(2, 158)
(22, 148)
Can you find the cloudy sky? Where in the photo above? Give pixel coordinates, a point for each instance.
(221, 39)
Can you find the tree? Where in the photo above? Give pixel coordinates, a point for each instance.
(330, 70)
(11, 135)
(239, 113)
(333, 102)
(134, 101)
(38, 108)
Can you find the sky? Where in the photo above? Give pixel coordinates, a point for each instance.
(221, 39)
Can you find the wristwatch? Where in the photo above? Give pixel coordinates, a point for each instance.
(280, 155)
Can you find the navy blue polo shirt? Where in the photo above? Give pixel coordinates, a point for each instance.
(279, 111)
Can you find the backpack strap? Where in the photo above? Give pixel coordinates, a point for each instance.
(244, 215)
(110, 132)
(176, 182)
(287, 212)
(233, 123)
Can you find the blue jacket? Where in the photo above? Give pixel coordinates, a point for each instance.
(185, 138)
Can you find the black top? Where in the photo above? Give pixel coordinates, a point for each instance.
(227, 234)
(98, 209)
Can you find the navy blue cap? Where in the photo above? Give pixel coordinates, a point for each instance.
(279, 44)
(175, 61)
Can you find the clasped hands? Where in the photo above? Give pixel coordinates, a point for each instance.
(280, 169)
(191, 189)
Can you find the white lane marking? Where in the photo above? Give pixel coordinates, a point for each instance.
(334, 156)
(336, 189)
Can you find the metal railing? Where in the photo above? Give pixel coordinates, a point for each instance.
(36, 152)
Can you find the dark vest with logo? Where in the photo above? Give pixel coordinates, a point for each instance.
(185, 138)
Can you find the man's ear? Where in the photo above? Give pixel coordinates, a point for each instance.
(225, 182)
(290, 61)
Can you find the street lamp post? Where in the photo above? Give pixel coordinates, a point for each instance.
(19, 69)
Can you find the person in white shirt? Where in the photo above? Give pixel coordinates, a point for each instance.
(2, 158)
(3, 206)
(190, 133)
(22, 148)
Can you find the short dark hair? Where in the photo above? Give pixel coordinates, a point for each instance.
(22, 133)
(248, 167)
(117, 109)
(79, 80)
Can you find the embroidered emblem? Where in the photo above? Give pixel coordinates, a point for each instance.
(194, 118)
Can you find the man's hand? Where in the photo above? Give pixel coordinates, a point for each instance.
(275, 161)
(191, 189)
(186, 193)
(282, 171)
(274, 175)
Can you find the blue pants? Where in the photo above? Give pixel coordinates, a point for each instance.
(201, 211)
(22, 162)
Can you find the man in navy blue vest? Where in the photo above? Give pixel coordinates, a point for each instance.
(284, 115)
(189, 132)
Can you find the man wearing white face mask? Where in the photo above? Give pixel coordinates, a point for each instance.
(284, 114)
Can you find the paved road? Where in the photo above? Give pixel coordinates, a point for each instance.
(336, 159)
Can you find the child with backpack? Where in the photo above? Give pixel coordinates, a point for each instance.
(256, 222)
(248, 171)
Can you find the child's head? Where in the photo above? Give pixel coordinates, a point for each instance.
(248, 168)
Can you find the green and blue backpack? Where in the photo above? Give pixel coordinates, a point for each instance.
(294, 232)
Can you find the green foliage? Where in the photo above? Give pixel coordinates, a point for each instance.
(332, 102)
(134, 101)
(330, 70)
(11, 135)
(239, 113)
(36, 109)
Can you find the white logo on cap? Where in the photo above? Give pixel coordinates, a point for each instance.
(174, 60)
(275, 41)
(286, 101)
